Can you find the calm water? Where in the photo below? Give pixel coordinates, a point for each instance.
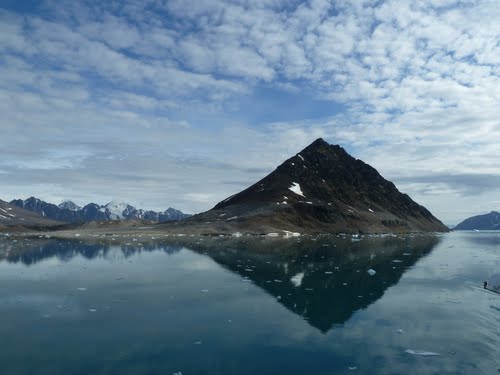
(227, 306)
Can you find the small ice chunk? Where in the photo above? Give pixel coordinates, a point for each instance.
(297, 279)
(397, 261)
(328, 272)
(199, 342)
(92, 310)
(204, 290)
(352, 368)
(371, 272)
(273, 234)
(300, 156)
(422, 353)
(370, 210)
(81, 289)
(400, 331)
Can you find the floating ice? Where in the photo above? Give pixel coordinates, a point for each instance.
(300, 156)
(204, 290)
(296, 189)
(352, 368)
(371, 272)
(297, 279)
(400, 331)
(422, 353)
(82, 289)
(370, 210)
(92, 310)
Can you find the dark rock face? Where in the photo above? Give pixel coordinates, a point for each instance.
(69, 212)
(12, 217)
(489, 221)
(321, 189)
(48, 210)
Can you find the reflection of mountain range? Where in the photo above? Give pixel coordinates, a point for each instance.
(325, 282)
(33, 251)
(324, 279)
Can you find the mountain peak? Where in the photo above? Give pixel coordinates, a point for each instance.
(489, 221)
(69, 205)
(326, 189)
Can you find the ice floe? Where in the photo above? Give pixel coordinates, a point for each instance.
(422, 353)
(297, 279)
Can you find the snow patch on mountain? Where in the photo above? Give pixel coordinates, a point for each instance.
(117, 210)
(296, 189)
(69, 205)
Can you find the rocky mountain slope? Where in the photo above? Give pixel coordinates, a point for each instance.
(321, 189)
(69, 212)
(489, 221)
(13, 217)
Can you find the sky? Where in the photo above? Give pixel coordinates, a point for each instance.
(182, 103)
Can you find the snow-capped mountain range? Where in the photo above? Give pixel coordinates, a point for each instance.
(70, 212)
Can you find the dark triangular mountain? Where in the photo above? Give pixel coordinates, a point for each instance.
(321, 189)
(489, 221)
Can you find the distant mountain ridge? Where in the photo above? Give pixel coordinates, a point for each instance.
(12, 217)
(69, 212)
(320, 189)
(490, 221)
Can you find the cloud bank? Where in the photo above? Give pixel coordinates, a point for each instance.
(182, 103)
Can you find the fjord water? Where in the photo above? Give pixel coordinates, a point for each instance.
(243, 306)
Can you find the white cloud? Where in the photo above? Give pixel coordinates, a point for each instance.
(418, 81)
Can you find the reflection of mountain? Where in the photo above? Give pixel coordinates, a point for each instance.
(333, 277)
(32, 251)
(322, 279)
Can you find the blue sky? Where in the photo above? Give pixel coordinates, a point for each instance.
(183, 103)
